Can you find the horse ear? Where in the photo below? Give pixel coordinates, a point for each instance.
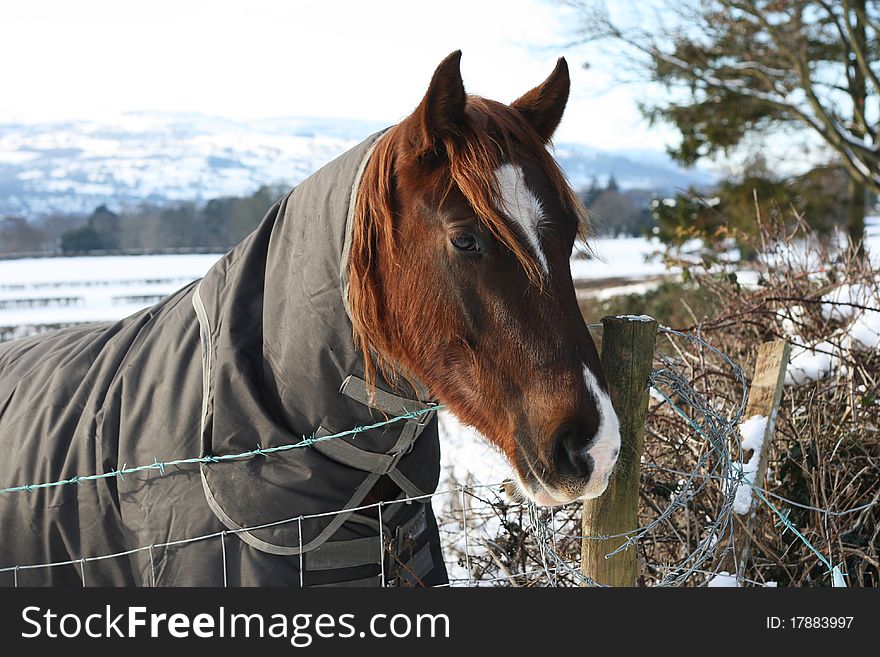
(543, 106)
(441, 111)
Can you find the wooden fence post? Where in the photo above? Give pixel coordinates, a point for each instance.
(765, 394)
(627, 356)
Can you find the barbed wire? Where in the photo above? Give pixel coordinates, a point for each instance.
(160, 466)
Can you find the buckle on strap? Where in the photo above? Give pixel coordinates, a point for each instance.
(353, 456)
(387, 402)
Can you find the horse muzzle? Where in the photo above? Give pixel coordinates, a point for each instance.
(576, 469)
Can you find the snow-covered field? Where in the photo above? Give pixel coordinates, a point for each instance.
(629, 258)
(51, 292)
(39, 293)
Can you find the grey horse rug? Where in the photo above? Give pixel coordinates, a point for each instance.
(257, 354)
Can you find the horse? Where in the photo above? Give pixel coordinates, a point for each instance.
(426, 266)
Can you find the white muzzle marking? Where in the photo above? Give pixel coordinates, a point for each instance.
(606, 447)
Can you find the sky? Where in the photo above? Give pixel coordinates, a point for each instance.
(266, 58)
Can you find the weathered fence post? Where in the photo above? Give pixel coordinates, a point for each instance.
(627, 355)
(765, 394)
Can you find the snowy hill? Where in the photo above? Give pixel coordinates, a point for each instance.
(75, 165)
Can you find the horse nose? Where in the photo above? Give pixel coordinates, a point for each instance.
(569, 452)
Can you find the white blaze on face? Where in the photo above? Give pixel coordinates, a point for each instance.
(520, 204)
(606, 447)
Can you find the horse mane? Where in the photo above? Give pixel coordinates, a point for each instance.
(488, 137)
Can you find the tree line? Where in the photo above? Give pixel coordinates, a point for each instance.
(727, 210)
(218, 224)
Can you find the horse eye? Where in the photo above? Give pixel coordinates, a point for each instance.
(465, 242)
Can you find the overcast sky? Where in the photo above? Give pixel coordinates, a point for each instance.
(257, 58)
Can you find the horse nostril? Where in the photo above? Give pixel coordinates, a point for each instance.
(569, 451)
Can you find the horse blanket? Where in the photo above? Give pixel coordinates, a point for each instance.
(258, 353)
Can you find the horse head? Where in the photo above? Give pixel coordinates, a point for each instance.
(460, 279)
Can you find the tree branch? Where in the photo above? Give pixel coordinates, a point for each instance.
(858, 157)
(853, 46)
(744, 75)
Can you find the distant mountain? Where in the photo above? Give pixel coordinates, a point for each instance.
(651, 170)
(76, 165)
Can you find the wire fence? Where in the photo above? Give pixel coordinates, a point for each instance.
(488, 540)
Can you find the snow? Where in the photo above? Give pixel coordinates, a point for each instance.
(620, 257)
(79, 164)
(808, 364)
(856, 307)
(466, 456)
(655, 394)
(619, 290)
(103, 269)
(36, 292)
(864, 332)
(752, 433)
(836, 306)
(748, 278)
(859, 304)
(791, 318)
(723, 580)
(637, 318)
